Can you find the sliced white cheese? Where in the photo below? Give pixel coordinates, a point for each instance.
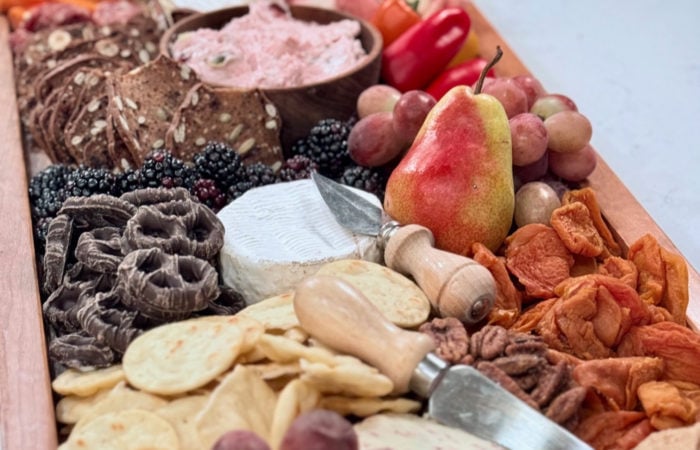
(411, 432)
(277, 235)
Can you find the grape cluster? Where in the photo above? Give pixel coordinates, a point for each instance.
(389, 122)
(548, 132)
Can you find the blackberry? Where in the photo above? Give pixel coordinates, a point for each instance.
(297, 167)
(220, 163)
(208, 193)
(46, 190)
(127, 181)
(86, 181)
(366, 178)
(327, 145)
(256, 175)
(41, 229)
(162, 169)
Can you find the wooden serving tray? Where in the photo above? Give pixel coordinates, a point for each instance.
(27, 418)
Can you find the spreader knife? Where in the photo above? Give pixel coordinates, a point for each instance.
(337, 314)
(456, 286)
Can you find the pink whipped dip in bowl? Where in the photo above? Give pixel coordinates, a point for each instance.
(312, 63)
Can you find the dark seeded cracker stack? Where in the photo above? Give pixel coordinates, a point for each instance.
(244, 119)
(46, 49)
(87, 133)
(50, 71)
(144, 102)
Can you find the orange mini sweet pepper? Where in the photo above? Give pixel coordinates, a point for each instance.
(392, 18)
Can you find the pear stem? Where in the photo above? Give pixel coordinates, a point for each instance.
(482, 76)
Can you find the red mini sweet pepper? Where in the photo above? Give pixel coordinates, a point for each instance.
(466, 73)
(425, 49)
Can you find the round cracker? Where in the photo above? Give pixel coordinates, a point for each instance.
(71, 409)
(275, 313)
(411, 432)
(399, 299)
(84, 384)
(368, 406)
(132, 429)
(120, 398)
(182, 356)
(355, 379)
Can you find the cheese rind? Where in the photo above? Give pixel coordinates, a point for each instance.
(279, 234)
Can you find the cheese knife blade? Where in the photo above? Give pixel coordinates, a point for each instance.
(456, 286)
(334, 312)
(350, 210)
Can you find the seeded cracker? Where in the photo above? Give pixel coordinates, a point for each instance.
(144, 102)
(244, 119)
(182, 356)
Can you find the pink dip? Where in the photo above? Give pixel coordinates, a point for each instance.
(269, 49)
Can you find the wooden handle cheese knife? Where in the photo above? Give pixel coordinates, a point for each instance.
(338, 315)
(456, 286)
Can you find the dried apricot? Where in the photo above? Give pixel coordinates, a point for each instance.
(538, 258)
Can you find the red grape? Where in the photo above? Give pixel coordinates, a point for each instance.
(568, 131)
(377, 98)
(511, 96)
(373, 142)
(410, 113)
(534, 203)
(531, 86)
(533, 171)
(529, 138)
(549, 104)
(240, 440)
(320, 429)
(573, 166)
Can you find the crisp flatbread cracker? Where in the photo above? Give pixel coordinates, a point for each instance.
(358, 379)
(131, 429)
(411, 432)
(71, 409)
(296, 398)
(399, 299)
(241, 401)
(83, 384)
(180, 413)
(182, 356)
(368, 406)
(283, 349)
(275, 313)
(120, 398)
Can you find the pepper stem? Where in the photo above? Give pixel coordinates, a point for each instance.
(482, 76)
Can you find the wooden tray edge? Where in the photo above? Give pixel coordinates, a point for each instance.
(27, 417)
(627, 217)
(26, 403)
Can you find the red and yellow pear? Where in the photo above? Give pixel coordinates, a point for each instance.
(457, 178)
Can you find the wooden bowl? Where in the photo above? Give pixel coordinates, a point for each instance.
(303, 106)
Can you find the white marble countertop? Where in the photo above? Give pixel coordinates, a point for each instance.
(633, 68)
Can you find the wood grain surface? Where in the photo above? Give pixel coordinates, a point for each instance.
(26, 405)
(27, 418)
